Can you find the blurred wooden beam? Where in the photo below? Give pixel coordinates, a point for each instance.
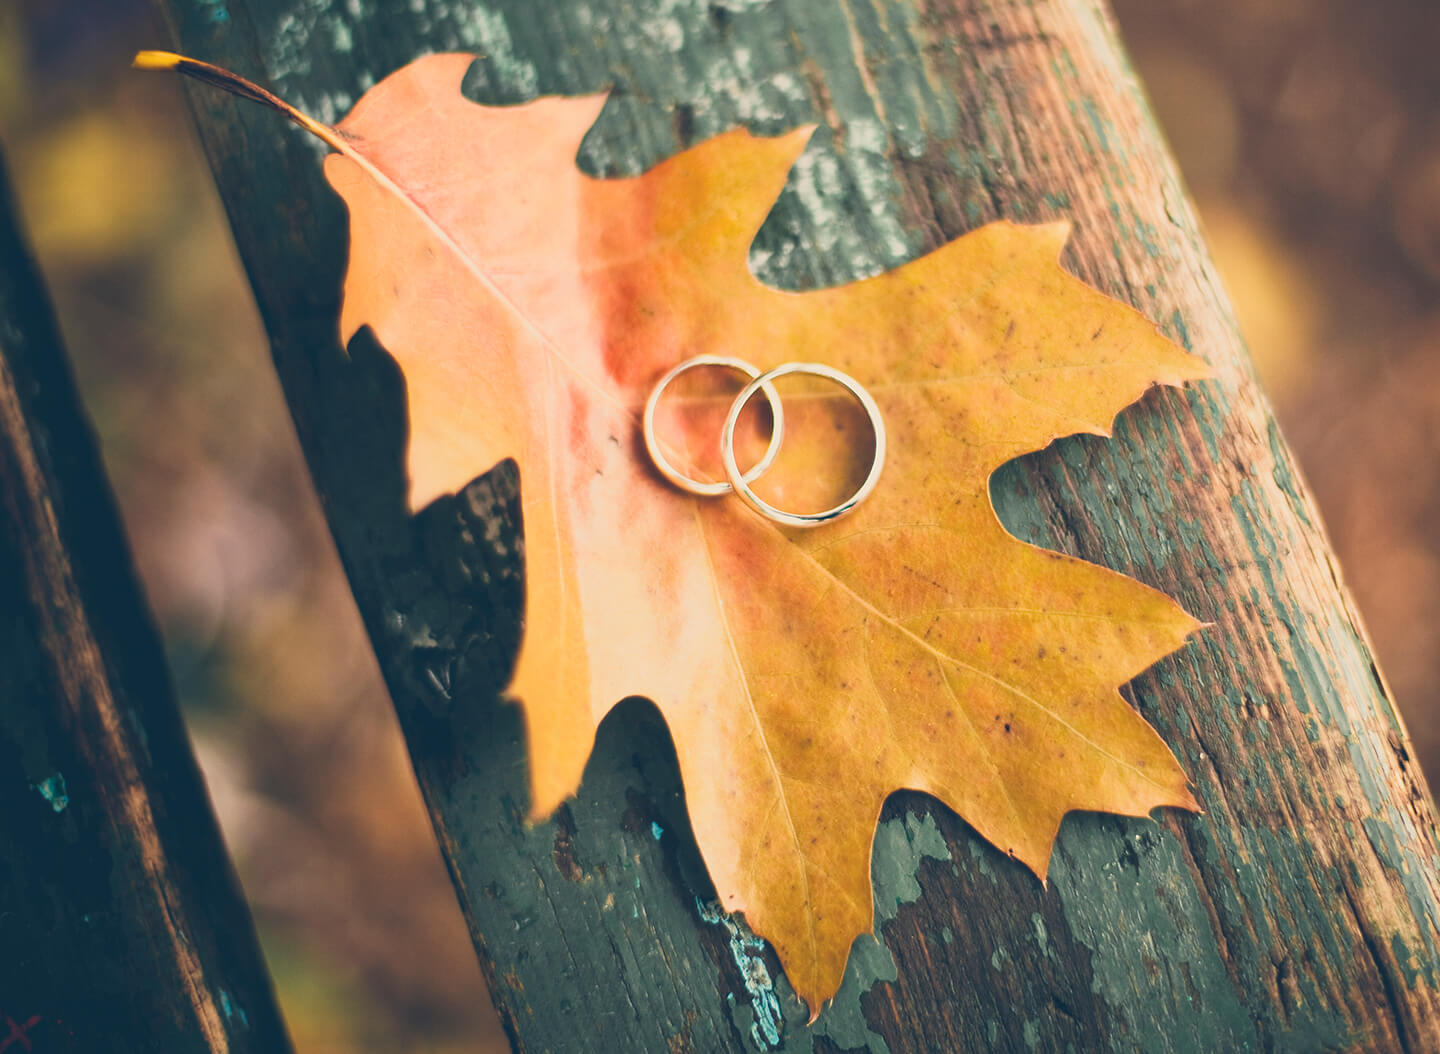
(122, 925)
(1299, 912)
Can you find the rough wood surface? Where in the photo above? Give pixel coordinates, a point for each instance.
(122, 926)
(1298, 913)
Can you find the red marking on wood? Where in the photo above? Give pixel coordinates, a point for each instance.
(17, 1034)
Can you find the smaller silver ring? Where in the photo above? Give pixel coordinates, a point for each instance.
(674, 475)
(742, 484)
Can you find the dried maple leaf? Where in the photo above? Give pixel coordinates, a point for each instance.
(804, 675)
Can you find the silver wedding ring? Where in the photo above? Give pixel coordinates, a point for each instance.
(742, 485)
(740, 482)
(673, 474)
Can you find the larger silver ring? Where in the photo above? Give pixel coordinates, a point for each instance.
(673, 474)
(742, 484)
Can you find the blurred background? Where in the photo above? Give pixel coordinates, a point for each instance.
(1308, 131)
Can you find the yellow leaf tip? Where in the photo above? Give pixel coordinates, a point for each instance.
(1060, 229)
(157, 60)
(1195, 369)
(1183, 798)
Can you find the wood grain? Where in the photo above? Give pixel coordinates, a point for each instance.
(121, 919)
(1298, 913)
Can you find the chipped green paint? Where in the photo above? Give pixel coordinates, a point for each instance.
(763, 1018)
(1407, 964)
(1284, 476)
(1142, 892)
(1412, 870)
(1099, 126)
(52, 789)
(1041, 937)
(901, 846)
(233, 1011)
(1147, 234)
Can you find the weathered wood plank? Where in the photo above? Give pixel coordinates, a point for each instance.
(122, 925)
(1300, 912)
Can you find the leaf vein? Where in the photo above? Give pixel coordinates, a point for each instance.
(760, 729)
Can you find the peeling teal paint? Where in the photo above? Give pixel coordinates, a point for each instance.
(1147, 235)
(901, 846)
(1041, 936)
(1181, 331)
(52, 789)
(980, 860)
(843, 1020)
(1134, 889)
(765, 1019)
(1284, 478)
(656, 831)
(233, 1010)
(1413, 874)
(1403, 958)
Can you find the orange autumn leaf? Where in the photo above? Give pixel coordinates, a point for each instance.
(804, 675)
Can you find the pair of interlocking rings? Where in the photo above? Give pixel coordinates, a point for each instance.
(739, 482)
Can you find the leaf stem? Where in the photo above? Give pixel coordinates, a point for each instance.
(238, 85)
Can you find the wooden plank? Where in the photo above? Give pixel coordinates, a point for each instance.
(121, 919)
(1299, 912)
